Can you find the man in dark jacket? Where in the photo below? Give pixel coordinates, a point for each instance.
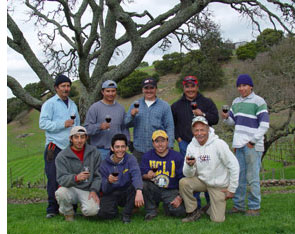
(77, 174)
(121, 181)
(191, 104)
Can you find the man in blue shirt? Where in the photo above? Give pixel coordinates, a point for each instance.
(151, 115)
(161, 170)
(58, 115)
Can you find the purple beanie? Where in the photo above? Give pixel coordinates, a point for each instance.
(244, 79)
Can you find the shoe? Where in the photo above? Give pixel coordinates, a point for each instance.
(69, 218)
(194, 216)
(149, 217)
(234, 210)
(50, 215)
(252, 212)
(126, 219)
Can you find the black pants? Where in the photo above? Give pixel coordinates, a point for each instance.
(153, 194)
(52, 184)
(109, 203)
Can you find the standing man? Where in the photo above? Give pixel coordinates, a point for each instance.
(151, 115)
(161, 169)
(77, 174)
(58, 115)
(99, 129)
(209, 166)
(250, 116)
(183, 112)
(121, 181)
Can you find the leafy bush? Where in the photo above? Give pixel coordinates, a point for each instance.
(247, 51)
(131, 85)
(171, 63)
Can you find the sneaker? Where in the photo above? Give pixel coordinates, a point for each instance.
(234, 210)
(126, 219)
(194, 216)
(149, 217)
(69, 218)
(252, 212)
(50, 215)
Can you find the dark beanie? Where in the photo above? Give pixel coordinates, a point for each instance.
(61, 79)
(244, 79)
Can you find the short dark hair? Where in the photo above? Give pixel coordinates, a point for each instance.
(119, 137)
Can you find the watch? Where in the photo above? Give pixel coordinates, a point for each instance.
(251, 143)
(204, 114)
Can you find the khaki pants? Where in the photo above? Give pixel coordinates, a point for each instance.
(187, 187)
(66, 197)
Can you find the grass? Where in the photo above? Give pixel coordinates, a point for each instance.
(277, 216)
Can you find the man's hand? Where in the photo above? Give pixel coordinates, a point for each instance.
(224, 115)
(228, 194)
(190, 162)
(250, 145)
(176, 202)
(198, 112)
(113, 179)
(83, 175)
(104, 126)
(94, 196)
(134, 111)
(138, 199)
(69, 123)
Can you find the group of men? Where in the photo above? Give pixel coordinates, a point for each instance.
(101, 175)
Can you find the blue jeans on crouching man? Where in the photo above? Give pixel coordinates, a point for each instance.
(250, 163)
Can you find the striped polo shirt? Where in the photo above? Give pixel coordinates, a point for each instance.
(251, 120)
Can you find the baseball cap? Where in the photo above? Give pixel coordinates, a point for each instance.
(159, 133)
(199, 119)
(78, 130)
(149, 81)
(189, 79)
(109, 84)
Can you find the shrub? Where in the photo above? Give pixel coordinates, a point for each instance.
(131, 85)
(247, 51)
(171, 63)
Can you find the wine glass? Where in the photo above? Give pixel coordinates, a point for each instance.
(115, 173)
(194, 105)
(225, 108)
(108, 119)
(73, 116)
(136, 104)
(86, 169)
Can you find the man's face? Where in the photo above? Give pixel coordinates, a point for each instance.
(161, 145)
(119, 149)
(244, 90)
(109, 94)
(190, 90)
(149, 92)
(78, 140)
(63, 90)
(201, 132)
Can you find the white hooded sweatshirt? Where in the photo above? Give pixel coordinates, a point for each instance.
(215, 164)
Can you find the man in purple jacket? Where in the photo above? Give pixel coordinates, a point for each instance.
(161, 169)
(121, 181)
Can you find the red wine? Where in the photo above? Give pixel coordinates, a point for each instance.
(136, 105)
(115, 174)
(108, 120)
(225, 110)
(154, 169)
(73, 116)
(194, 105)
(190, 158)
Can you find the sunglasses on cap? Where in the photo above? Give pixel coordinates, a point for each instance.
(188, 79)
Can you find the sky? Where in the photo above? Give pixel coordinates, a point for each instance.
(232, 26)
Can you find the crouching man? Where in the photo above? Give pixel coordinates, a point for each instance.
(121, 181)
(209, 166)
(78, 176)
(161, 170)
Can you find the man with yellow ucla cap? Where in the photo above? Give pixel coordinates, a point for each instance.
(161, 169)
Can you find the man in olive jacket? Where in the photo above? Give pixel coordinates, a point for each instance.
(78, 176)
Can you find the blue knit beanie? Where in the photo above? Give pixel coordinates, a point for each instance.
(61, 79)
(244, 79)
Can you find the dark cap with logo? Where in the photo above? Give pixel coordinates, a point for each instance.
(149, 82)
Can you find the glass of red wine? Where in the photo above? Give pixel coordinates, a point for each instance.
(194, 105)
(73, 116)
(225, 108)
(108, 119)
(190, 158)
(115, 173)
(136, 104)
(154, 169)
(86, 169)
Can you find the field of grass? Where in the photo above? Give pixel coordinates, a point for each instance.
(277, 216)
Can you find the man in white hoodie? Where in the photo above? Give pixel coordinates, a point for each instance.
(209, 166)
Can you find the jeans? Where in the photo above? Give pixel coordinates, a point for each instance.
(182, 148)
(250, 163)
(104, 153)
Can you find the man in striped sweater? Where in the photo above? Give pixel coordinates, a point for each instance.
(250, 116)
